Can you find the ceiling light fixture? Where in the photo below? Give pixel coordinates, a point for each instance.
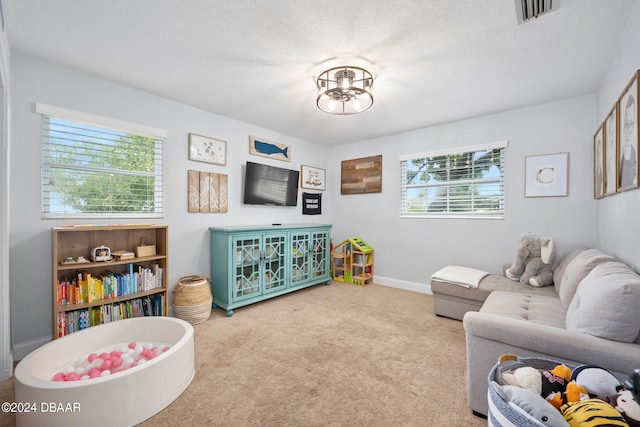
(345, 90)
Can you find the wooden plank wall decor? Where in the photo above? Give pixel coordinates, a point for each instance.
(361, 175)
(207, 192)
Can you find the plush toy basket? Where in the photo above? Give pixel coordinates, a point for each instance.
(501, 414)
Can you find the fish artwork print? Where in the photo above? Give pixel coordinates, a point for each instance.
(270, 149)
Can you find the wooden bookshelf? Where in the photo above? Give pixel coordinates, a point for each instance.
(97, 302)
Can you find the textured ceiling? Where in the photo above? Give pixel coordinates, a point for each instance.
(435, 61)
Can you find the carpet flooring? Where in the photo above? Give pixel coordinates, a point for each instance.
(337, 355)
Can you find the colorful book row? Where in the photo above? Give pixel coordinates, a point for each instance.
(84, 288)
(77, 320)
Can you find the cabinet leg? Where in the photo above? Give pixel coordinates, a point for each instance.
(327, 283)
(229, 313)
(214, 305)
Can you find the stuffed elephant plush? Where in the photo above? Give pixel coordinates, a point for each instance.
(532, 263)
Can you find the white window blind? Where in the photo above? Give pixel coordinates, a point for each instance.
(100, 171)
(468, 183)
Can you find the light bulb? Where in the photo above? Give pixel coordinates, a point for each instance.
(332, 105)
(356, 104)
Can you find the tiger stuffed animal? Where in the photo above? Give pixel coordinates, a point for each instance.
(592, 413)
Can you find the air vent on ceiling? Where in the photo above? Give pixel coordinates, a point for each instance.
(529, 9)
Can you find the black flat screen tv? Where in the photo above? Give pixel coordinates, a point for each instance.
(270, 185)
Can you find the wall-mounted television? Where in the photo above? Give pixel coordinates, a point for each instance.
(270, 185)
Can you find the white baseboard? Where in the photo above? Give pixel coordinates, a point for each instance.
(423, 288)
(22, 349)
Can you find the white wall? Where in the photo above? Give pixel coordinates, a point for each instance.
(408, 251)
(30, 236)
(6, 359)
(618, 227)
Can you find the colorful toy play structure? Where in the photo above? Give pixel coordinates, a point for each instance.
(352, 262)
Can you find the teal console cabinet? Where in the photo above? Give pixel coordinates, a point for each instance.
(251, 264)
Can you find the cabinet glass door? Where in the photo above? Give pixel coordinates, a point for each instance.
(299, 258)
(274, 263)
(319, 253)
(247, 267)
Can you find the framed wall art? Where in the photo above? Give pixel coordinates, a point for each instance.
(598, 163)
(362, 175)
(547, 175)
(611, 152)
(208, 150)
(208, 192)
(311, 177)
(265, 148)
(628, 145)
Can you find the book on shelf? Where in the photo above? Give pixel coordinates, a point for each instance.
(76, 320)
(87, 288)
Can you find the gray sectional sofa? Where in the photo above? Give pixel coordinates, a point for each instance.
(591, 315)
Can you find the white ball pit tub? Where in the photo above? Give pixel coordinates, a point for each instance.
(121, 399)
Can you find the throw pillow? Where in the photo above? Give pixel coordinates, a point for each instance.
(576, 270)
(606, 303)
(564, 260)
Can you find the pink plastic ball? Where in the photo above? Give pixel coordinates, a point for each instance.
(72, 376)
(92, 357)
(107, 364)
(132, 345)
(116, 362)
(58, 377)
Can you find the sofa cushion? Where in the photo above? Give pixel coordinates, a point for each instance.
(487, 285)
(577, 269)
(558, 271)
(540, 309)
(606, 303)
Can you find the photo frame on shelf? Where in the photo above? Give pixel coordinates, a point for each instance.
(271, 149)
(611, 152)
(628, 142)
(206, 149)
(312, 177)
(598, 163)
(547, 175)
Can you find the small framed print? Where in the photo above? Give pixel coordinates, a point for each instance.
(547, 175)
(628, 143)
(208, 150)
(598, 163)
(312, 177)
(611, 152)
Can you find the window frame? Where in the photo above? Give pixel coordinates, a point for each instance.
(404, 159)
(49, 112)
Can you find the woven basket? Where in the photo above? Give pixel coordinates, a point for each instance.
(192, 299)
(501, 414)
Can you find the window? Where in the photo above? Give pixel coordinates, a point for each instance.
(98, 167)
(468, 183)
